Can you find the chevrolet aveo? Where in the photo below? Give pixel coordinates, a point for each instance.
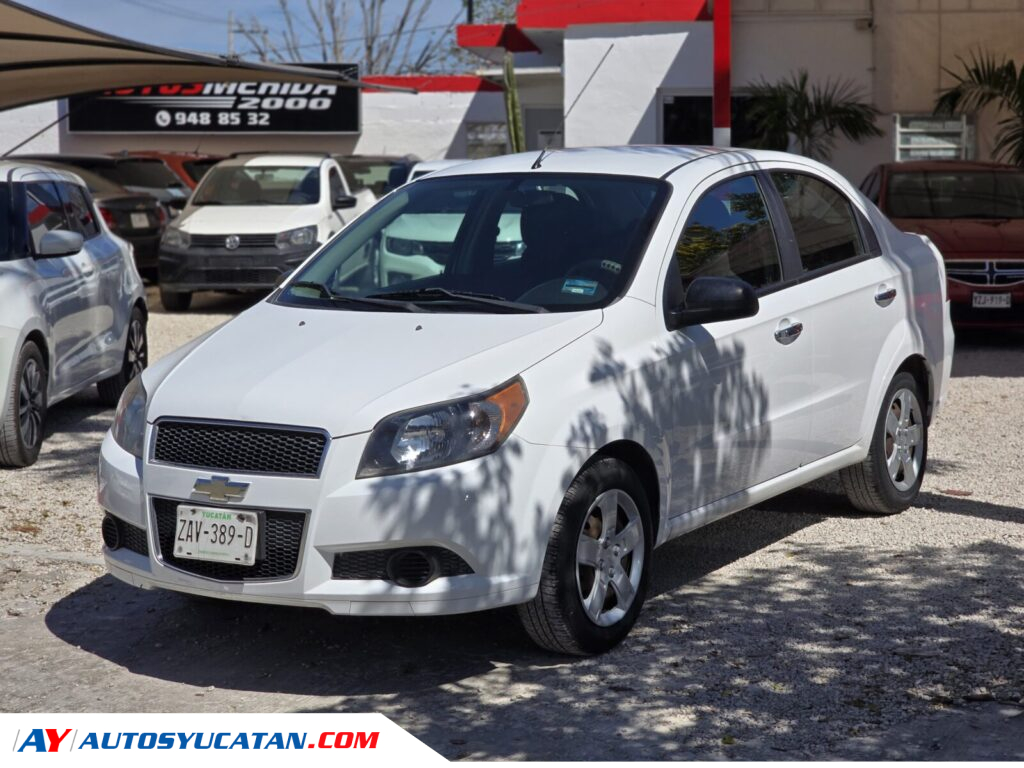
(610, 348)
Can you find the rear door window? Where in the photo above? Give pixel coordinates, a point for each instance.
(823, 220)
(44, 210)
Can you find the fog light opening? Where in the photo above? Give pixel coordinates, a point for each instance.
(412, 568)
(111, 532)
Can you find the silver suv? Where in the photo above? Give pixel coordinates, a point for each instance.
(72, 306)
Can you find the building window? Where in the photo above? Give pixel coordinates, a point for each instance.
(486, 140)
(687, 119)
(923, 137)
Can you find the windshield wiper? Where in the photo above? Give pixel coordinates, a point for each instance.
(444, 294)
(370, 301)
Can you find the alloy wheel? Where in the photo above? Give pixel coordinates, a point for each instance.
(31, 403)
(904, 439)
(610, 557)
(137, 352)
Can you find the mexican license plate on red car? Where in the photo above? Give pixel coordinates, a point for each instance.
(990, 300)
(217, 535)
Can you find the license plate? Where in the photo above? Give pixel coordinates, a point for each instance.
(990, 300)
(140, 221)
(218, 535)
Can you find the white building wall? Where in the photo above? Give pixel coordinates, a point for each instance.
(622, 104)
(430, 125)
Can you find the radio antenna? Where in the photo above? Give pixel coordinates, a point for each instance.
(543, 152)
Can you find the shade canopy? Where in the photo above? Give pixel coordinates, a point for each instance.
(44, 58)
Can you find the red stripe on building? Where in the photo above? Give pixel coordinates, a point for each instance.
(559, 14)
(434, 83)
(722, 34)
(507, 36)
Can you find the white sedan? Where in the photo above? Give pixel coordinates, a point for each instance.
(681, 333)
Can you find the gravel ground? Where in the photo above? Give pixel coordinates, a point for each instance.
(796, 630)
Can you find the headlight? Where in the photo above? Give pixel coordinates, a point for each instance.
(297, 237)
(443, 434)
(129, 427)
(176, 238)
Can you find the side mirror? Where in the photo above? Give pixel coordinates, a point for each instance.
(344, 201)
(60, 242)
(713, 299)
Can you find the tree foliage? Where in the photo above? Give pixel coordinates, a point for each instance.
(813, 115)
(384, 36)
(983, 81)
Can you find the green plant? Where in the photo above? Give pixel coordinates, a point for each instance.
(513, 114)
(984, 81)
(813, 115)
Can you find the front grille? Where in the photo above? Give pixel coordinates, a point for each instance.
(244, 241)
(986, 272)
(278, 547)
(232, 276)
(240, 448)
(373, 564)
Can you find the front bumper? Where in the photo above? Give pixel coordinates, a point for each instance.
(216, 269)
(495, 513)
(965, 315)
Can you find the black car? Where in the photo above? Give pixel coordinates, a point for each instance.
(148, 175)
(138, 218)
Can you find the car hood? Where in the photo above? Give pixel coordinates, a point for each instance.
(245, 219)
(344, 371)
(960, 237)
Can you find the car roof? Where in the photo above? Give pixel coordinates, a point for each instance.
(636, 160)
(297, 160)
(433, 165)
(947, 165)
(164, 154)
(22, 171)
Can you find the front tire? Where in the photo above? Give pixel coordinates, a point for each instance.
(888, 480)
(175, 301)
(597, 565)
(136, 357)
(21, 430)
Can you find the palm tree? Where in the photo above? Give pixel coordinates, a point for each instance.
(982, 82)
(811, 114)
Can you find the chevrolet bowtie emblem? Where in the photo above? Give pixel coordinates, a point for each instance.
(220, 488)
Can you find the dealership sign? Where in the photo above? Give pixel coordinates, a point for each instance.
(245, 107)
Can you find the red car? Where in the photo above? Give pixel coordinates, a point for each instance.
(189, 166)
(974, 213)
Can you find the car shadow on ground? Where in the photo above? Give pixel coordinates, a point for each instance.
(716, 667)
(997, 352)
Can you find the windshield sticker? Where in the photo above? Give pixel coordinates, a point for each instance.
(580, 287)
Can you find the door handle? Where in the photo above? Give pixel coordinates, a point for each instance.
(885, 296)
(787, 334)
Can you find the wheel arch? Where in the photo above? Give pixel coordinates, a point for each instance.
(918, 367)
(640, 461)
(39, 339)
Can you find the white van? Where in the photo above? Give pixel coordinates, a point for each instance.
(251, 220)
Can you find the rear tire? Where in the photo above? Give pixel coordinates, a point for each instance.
(175, 301)
(888, 480)
(597, 565)
(136, 357)
(24, 414)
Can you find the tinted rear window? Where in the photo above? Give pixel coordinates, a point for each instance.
(145, 173)
(196, 169)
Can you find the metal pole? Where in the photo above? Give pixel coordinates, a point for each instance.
(469, 11)
(231, 33)
(722, 94)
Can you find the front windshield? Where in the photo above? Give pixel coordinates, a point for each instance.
(956, 195)
(546, 242)
(259, 185)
